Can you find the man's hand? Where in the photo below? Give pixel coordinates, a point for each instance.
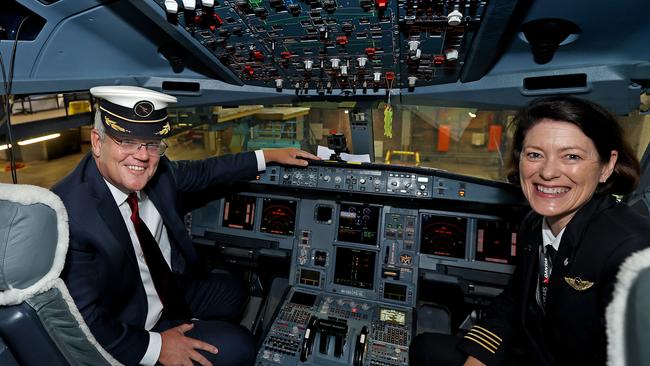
(179, 350)
(288, 156)
(471, 361)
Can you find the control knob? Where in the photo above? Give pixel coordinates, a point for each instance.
(362, 181)
(455, 17)
(327, 178)
(337, 179)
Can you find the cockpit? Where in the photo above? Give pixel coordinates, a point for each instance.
(409, 223)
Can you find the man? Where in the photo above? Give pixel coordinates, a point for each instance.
(131, 267)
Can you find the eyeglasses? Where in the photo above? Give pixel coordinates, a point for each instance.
(131, 146)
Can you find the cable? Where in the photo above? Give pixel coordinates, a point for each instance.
(8, 85)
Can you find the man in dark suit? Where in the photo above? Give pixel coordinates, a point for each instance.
(131, 267)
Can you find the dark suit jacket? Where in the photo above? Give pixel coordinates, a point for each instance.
(101, 269)
(601, 235)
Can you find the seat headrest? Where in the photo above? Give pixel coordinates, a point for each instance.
(33, 241)
(630, 299)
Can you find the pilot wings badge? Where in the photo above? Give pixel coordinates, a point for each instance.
(578, 284)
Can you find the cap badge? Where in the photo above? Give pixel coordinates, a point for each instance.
(578, 284)
(112, 124)
(165, 130)
(143, 108)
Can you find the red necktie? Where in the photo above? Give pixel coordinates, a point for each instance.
(162, 276)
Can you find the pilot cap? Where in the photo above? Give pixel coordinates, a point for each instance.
(133, 112)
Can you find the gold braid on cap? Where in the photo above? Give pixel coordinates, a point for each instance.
(112, 124)
(165, 130)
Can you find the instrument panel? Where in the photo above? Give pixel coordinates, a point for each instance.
(351, 46)
(356, 256)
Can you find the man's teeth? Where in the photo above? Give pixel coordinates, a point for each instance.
(552, 190)
(135, 167)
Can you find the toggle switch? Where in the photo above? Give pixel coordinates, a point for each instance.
(412, 80)
(413, 45)
(189, 4)
(451, 54)
(171, 6)
(308, 65)
(362, 61)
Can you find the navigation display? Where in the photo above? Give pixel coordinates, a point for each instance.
(358, 223)
(239, 212)
(496, 241)
(355, 268)
(443, 235)
(278, 217)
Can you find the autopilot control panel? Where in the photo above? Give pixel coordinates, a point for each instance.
(358, 239)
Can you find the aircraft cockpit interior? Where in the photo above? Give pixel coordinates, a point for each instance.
(409, 223)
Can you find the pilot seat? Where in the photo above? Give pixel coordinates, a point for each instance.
(39, 322)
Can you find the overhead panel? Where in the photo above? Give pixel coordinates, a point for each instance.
(326, 45)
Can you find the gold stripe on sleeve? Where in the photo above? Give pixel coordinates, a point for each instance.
(485, 338)
(487, 331)
(479, 343)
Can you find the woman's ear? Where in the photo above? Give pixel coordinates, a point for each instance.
(608, 168)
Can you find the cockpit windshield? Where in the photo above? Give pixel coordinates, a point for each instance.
(468, 141)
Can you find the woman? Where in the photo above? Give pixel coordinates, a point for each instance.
(569, 157)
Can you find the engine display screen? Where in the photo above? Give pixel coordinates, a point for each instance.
(278, 217)
(309, 277)
(354, 268)
(239, 212)
(392, 316)
(443, 235)
(496, 241)
(394, 291)
(358, 223)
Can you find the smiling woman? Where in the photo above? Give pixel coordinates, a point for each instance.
(559, 170)
(570, 158)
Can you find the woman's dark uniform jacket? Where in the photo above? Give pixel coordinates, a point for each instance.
(101, 269)
(601, 235)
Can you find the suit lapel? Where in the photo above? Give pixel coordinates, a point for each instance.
(109, 211)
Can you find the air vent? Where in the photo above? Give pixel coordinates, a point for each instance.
(552, 83)
(180, 86)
